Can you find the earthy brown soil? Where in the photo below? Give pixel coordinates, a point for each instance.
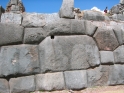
(103, 89)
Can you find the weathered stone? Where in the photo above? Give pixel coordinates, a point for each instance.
(76, 79)
(68, 52)
(117, 17)
(98, 76)
(116, 77)
(4, 86)
(33, 20)
(90, 28)
(14, 8)
(34, 35)
(14, 2)
(121, 1)
(119, 54)
(115, 9)
(22, 84)
(93, 15)
(11, 18)
(19, 59)
(50, 81)
(1, 11)
(10, 34)
(66, 10)
(107, 57)
(106, 39)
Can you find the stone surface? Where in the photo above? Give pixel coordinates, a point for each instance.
(90, 28)
(117, 17)
(98, 76)
(4, 86)
(116, 76)
(34, 35)
(107, 57)
(1, 11)
(14, 8)
(106, 39)
(22, 84)
(66, 10)
(14, 2)
(119, 54)
(33, 20)
(19, 59)
(68, 52)
(50, 81)
(121, 1)
(76, 80)
(10, 34)
(93, 15)
(115, 9)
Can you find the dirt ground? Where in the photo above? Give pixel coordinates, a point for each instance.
(103, 89)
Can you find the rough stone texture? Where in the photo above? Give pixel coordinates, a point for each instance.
(34, 35)
(93, 15)
(76, 79)
(14, 2)
(1, 11)
(90, 28)
(119, 54)
(107, 57)
(10, 34)
(66, 10)
(115, 9)
(98, 76)
(117, 17)
(14, 8)
(68, 52)
(33, 20)
(19, 59)
(22, 84)
(4, 86)
(121, 1)
(116, 76)
(106, 39)
(50, 81)
(11, 18)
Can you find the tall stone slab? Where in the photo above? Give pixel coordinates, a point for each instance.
(4, 86)
(68, 53)
(19, 60)
(1, 11)
(66, 10)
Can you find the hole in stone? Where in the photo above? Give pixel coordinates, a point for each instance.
(52, 37)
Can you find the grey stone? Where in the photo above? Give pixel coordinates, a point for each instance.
(119, 54)
(1, 11)
(11, 18)
(34, 35)
(121, 1)
(50, 81)
(14, 2)
(106, 39)
(66, 10)
(14, 8)
(116, 76)
(33, 20)
(10, 34)
(117, 17)
(19, 59)
(90, 28)
(107, 57)
(68, 52)
(93, 15)
(76, 79)
(115, 9)
(4, 86)
(98, 76)
(22, 84)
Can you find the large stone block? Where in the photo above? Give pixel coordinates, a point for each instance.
(68, 52)
(11, 18)
(119, 54)
(22, 84)
(66, 10)
(33, 20)
(1, 11)
(19, 59)
(34, 35)
(98, 76)
(14, 2)
(93, 15)
(118, 17)
(107, 57)
(106, 39)
(10, 34)
(121, 1)
(50, 81)
(115, 9)
(116, 76)
(76, 79)
(15, 8)
(4, 86)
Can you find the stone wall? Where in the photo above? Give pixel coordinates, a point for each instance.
(46, 52)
